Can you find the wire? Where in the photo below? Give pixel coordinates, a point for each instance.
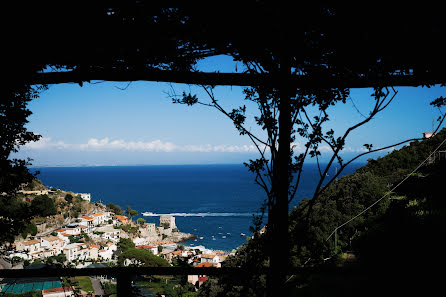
(385, 195)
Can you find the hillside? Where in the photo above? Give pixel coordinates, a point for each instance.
(392, 248)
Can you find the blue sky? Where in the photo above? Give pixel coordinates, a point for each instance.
(114, 123)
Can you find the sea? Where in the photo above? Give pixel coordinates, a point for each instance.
(214, 202)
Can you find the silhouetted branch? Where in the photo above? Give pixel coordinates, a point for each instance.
(233, 79)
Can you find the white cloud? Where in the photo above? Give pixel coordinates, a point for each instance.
(106, 144)
(46, 143)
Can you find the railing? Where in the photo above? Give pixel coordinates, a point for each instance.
(124, 275)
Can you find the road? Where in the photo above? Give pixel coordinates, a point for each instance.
(98, 291)
(4, 264)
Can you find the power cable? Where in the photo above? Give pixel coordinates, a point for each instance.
(385, 195)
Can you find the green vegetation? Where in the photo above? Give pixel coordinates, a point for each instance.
(116, 209)
(109, 288)
(43, 206)
(130, 229)
(124, 244)
(172, 286)
(374, 247)
(83, 282)
(69, 198)
(131, 212)
(142, 258)
(29, 229)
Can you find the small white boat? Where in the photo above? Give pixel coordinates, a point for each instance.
(228, 233)
(242, 234)
(201, 237)
(223, 236)
(213, 238)
(195, 240)
(148, 214)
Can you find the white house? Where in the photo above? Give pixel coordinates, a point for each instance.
(110, 233)
(107, 252)
(30, 245)
(87, 222)
(77, 251)
(93, 251)
(150, 248)
(139, 241)
(211, 258)
(99, 218)
(52, 242)
(85, 196)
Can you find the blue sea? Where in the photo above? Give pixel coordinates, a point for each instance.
(215, 202)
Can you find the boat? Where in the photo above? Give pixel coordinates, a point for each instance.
(242, 234)
(148, 214)
(201, 237)
(223, 236)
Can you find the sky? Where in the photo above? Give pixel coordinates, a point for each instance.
(120, 123)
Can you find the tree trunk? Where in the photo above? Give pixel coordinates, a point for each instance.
(279, 245)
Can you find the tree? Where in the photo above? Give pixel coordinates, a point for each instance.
(143, 258)
(69, 198)
(124, 244)
(43, 206)
(131, 212)
(140, 221)
(114, 208)
(29, 229)
(14, 215)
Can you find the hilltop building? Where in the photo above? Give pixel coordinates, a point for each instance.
(85, 196)
(169, 221)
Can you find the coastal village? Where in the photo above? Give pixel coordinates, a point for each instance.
(93, 238)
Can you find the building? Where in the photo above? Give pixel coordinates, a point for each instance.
(58, 292)
(109, 233)
(150, 248)
(87, 222)
(52, 243)
(151, 227)
(29, 246)
(211, 258)
(99, 219)
(198, 280)
(85, 196)
(123, 220)
(93, 251)
(168, 221)
(107, 252)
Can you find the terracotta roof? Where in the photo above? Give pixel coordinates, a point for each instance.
(87, 218)
(145, 246)
(177, 252)
(205, 264)
(93, 246)
(83, 227)
(30, 242)
(202, 279)
(62, 230)
(52, 238)
(119, 217)
(98, 214)
(66, 234)
(57, 290)
(208, 256)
